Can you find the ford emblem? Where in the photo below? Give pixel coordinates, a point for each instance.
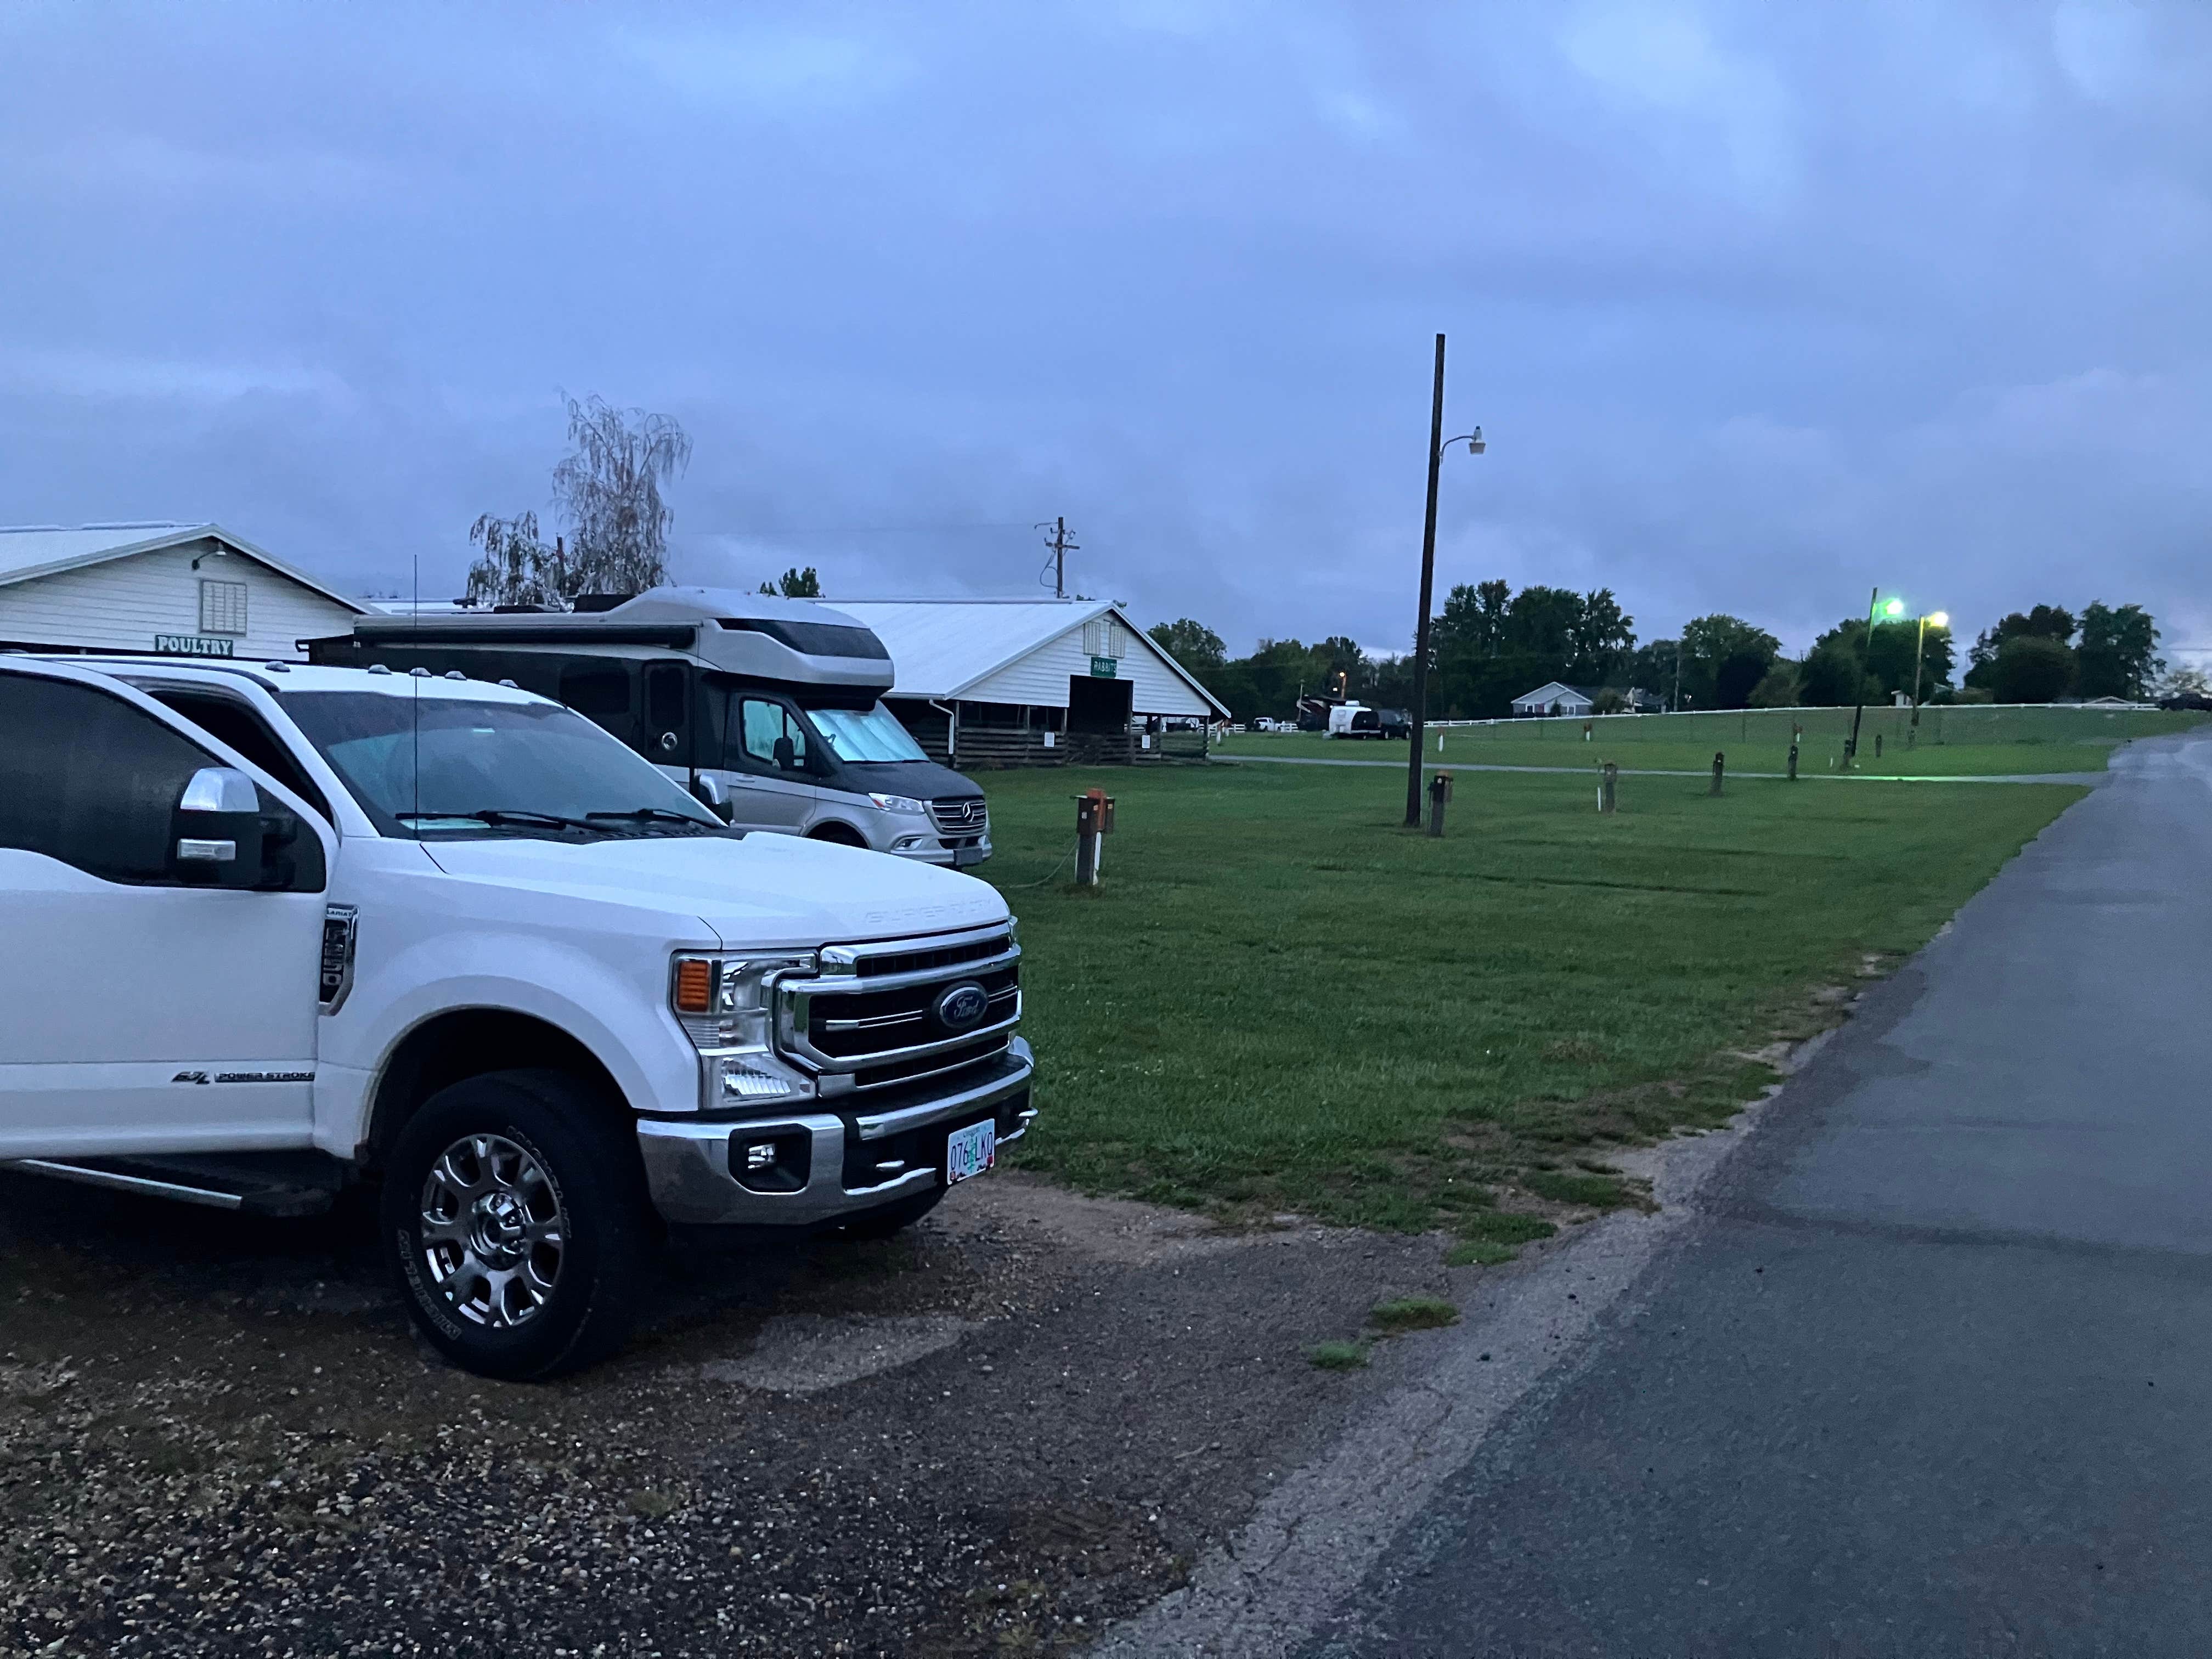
(960, 1006)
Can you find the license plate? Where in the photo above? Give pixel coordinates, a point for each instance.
(970, 1152)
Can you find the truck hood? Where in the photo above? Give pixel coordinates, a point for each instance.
(762, 890)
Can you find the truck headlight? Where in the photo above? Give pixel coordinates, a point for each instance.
(900, 803)
(726, 1002)
(727, 1007)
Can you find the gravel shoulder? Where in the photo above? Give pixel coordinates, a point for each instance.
(1021, 1421)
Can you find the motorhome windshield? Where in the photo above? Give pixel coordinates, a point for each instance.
(446, 766)
(865, 734)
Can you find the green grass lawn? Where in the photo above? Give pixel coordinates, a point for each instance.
(1279, 999)
(1963, 740)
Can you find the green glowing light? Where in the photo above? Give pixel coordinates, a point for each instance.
(1894, 608)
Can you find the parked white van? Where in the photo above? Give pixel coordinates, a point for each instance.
(275, 930)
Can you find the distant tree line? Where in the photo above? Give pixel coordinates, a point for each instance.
(1490, 644)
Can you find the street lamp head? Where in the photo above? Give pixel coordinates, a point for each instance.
(1474, 444)
(1894, 608)
(1939, 619)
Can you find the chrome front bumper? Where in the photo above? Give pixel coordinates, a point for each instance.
(689, 1172)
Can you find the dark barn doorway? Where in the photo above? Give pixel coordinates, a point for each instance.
(1099, 705)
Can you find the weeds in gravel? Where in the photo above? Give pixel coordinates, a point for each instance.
(1338, 1356)
(1595, 1192)
(1412, 1313)
(1477, 1253)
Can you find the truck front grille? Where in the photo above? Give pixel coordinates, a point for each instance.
(967, 815)
(877, 1022)
(879, 1015)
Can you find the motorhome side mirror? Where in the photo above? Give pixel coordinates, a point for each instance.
(217, 835)
(787, 756)
(709, 792)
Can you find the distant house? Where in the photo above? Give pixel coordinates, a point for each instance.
(1560, 698)
(1556, 698)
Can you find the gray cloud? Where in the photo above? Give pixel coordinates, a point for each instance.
(1759, 305)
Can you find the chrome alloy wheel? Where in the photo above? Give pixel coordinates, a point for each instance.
(493, 1233)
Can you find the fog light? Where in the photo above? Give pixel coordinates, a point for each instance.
(907, 843)
(779, 1164)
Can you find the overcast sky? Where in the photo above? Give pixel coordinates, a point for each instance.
(1758, 304)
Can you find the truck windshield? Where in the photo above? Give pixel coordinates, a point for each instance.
(446, 766)
(865, 734)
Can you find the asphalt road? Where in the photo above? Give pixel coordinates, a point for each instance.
(1933, 1374)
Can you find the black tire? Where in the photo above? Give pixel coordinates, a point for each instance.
(545, 1279)
(894, 1217)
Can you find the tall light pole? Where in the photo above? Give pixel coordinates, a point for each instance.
(1894, 608)
(1438, 444)
(1942, 619)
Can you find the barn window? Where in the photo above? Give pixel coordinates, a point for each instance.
(222, 607)
(1095, 639)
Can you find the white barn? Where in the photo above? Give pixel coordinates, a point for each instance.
(1011, 681)
(176, 589)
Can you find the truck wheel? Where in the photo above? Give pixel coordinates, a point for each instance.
(515, 1212)
(893, 1217)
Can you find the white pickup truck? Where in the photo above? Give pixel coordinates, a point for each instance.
(267, 932)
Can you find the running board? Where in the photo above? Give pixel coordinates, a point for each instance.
(269, 1184)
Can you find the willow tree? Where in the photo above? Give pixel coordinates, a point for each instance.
(609, 488)
(515, 567)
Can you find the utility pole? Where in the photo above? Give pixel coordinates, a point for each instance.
(1678, 677)
(1428, 590)
(1866, 661)
(1438, 444)
(1061, 547)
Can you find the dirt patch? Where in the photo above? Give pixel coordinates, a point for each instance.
(1025, 1212)
(809, 1353)
(1019, 1421)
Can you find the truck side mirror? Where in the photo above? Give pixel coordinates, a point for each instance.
(787, 756)
(217, 831)
(708, 790)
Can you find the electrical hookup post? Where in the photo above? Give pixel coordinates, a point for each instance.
(1094, 822)
(1439, 797)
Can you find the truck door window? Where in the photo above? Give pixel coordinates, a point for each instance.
(773, 739)
(88, 779)
(230, 721)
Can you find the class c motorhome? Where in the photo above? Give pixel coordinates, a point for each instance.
(768, 707)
